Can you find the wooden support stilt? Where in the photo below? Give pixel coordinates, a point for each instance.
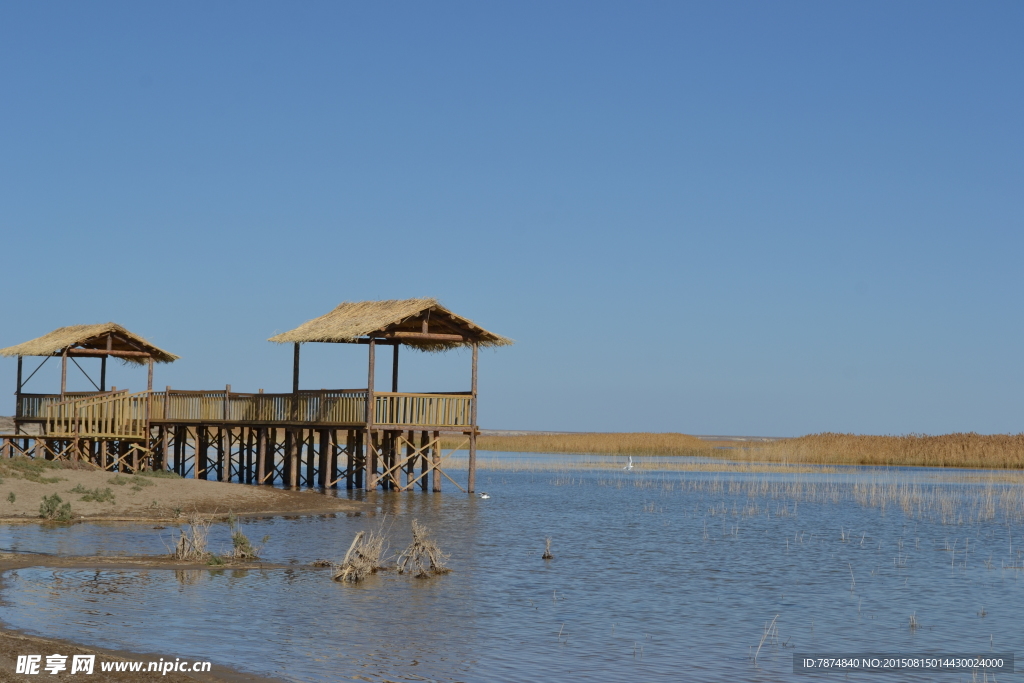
(435, 459)
(371, 438)
(373, 457)
(261, 455)
(311, 459)
(221, 455)
(410, 463)
(202, 466)
(325, 473)
(424, 458)
(293, 456)
(471, 486)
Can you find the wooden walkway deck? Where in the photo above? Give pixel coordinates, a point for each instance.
(324, 439)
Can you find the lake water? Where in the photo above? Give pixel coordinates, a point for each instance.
(657, 575)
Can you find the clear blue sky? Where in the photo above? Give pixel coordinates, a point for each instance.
(746, 218)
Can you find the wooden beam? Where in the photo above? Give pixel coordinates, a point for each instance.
(92, 353)
(63, 373)
(429, 336)
(295, 370)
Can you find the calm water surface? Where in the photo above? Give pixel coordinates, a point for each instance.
(657, 576)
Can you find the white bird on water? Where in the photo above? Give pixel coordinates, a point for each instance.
(484, 495)
(630, 465)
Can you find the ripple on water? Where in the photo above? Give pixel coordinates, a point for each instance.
(656, 576)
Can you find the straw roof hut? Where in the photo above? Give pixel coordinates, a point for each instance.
(106, 339)
(423, 324)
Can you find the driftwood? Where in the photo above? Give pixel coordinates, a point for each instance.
(363, 557)
(423, 556)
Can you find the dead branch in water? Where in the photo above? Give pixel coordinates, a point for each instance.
(191, 545)
(423, 555)
(547, 550)
(364, 557)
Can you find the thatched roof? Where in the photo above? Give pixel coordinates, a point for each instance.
(421, 323)
(84, 339)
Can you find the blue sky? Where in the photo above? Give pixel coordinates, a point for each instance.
(745, 218)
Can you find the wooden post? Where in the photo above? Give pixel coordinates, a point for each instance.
(472, 435)
(435, 458)
(394, 369)
(325, 473)
(17, 394)
(293, 459)
(410, 464)
(371, 441)
(261, 455)
(103, 364)
(165, 442)
(310, 458)
(149, 382)
(359, 466)
(201, 467)
(424, 442)
(63, 373)
(373, 448)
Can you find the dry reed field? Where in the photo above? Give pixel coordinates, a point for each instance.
(996, 451)
(623, 443)
(985, 451)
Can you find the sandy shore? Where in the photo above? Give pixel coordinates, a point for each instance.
(95, 495)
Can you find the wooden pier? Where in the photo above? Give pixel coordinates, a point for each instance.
(352, 438)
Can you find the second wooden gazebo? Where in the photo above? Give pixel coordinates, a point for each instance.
(423, 324)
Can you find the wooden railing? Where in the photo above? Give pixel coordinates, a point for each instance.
(442, 410)
(120, 413)
(114, 415)
(31, 406)
(329, 406)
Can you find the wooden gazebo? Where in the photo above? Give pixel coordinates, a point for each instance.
(425, 325)
(81, 341)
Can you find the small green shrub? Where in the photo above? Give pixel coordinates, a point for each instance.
(97, 495)
(54, 508)
(158, 474)
(11, 497)
(118, 480)
(32, 470)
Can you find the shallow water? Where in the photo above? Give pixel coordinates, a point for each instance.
(656, 576)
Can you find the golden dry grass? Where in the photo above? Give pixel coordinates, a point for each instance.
(970, 450)
(623, 443)
(994, 451)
